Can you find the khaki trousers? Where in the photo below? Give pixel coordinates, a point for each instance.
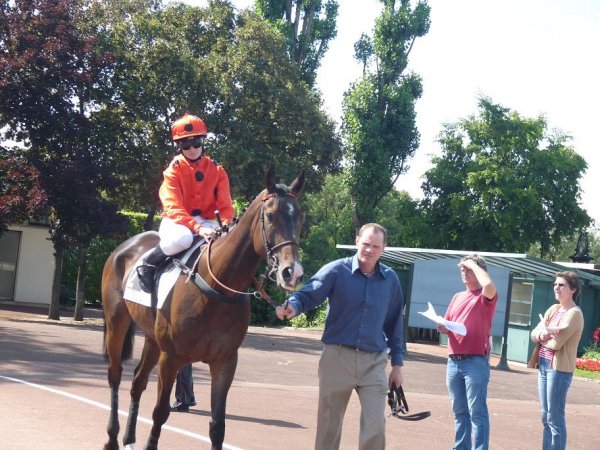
(342, 370)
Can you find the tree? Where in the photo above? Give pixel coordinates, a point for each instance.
(233, 72)
(503, 183)
(379, 110)
(308, 26)
(158, 75)
(563, 250)
(403, 219)
(52, 73)
(21, 195)
(266, 114)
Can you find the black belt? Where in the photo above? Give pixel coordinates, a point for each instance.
(460, 357)
(350, 347)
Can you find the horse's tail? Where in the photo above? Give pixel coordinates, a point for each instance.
(127, 350)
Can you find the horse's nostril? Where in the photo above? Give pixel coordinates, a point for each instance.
(287, 274)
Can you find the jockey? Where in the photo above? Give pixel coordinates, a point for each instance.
(193, 188)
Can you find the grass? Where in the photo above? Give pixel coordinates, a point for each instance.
(587, 374)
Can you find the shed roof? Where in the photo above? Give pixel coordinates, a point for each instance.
(520, 264)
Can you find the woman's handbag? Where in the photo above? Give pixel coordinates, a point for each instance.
(533, 360)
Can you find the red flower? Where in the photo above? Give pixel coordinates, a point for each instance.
(591, 365)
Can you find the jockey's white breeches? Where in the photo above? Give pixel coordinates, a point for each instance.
(175, 238)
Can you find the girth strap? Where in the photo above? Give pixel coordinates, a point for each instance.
(210, 292)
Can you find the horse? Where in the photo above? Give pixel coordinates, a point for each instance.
(195, 324)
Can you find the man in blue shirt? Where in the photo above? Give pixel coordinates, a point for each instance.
(364, 321)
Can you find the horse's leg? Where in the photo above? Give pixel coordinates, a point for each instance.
(118, 339)
(167, 370)
(221, 374)
(149, 358)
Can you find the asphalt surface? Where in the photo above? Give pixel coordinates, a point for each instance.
(54, 394)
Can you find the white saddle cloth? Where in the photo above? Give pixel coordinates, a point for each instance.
(134, 293)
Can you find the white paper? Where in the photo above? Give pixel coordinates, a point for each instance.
(455, 327)
(549, 329)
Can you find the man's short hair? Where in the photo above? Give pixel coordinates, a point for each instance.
(479, 260)
(376, 227)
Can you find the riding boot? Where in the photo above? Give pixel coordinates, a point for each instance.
(147, 270)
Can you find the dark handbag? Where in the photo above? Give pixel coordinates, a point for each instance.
(535, 355)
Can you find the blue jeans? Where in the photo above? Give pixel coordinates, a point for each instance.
(467, 382)
(553, 386)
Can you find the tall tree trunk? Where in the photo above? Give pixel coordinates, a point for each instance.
(80, 290)
(54, 310)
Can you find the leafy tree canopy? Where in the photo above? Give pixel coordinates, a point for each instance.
(21, 196)
(308, 26)
(503, 183)
(379, 122)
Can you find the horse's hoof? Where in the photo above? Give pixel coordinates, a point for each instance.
(130, 447)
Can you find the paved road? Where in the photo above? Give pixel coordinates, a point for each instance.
(54, 394)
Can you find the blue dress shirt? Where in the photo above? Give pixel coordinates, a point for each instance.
(365, 313)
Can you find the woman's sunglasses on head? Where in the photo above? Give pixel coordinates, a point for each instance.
(196, 142)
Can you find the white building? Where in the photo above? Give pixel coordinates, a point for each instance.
(26, 264)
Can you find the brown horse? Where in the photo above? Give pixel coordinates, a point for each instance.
(193, 326)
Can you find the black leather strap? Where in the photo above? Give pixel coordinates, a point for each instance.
(211, 293)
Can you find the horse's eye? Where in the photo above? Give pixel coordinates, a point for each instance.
(270, 217)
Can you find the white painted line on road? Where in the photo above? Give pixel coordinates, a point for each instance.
(107, 408)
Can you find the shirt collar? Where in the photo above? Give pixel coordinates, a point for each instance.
(356, 267)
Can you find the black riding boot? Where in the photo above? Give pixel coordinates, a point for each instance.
(147, 270)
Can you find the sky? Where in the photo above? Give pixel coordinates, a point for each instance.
(536, 57)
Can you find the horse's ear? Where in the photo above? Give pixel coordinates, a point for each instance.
(270, 179)
(298, 183)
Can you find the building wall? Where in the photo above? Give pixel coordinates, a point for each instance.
(589, 302)
(35, 265)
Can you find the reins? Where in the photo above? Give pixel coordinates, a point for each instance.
(272, 265)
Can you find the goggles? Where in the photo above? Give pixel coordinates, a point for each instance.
(196, 142)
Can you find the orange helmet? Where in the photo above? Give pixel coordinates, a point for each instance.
(188, 125)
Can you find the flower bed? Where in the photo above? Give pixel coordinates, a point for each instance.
(592, 365)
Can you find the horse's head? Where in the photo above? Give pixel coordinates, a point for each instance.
(281, 223)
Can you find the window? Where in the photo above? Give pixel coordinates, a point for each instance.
(9, 250)
(520, 302)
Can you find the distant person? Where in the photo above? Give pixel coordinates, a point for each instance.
(193, 188)
(364, 321)
(184, 390)
(557, 357)
(468, 368)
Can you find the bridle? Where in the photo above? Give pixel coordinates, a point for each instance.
(272, 260)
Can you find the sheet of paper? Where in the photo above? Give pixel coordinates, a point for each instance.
(455, 327)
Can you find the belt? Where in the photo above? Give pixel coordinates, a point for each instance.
(459, 357)
(350, 347)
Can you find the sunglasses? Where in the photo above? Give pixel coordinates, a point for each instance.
(196, 142)
(397, 400)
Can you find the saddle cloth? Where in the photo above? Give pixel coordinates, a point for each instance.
(134, 293)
